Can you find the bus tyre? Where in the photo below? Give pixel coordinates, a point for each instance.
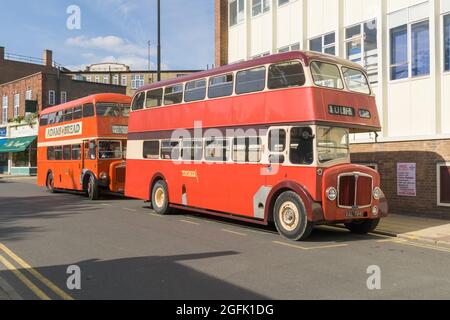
(51, 183)
(93, 190)
(160, 198)
(362, 226)
(290, 217)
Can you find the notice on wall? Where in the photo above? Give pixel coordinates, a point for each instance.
(406, 179)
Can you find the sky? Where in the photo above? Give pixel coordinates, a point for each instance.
(111, 31)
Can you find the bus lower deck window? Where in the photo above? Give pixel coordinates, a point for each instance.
(301, 150)
(67, 153)
(151, 150)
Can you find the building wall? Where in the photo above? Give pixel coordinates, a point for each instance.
(426, 154)
(149, 77)
(415, 111)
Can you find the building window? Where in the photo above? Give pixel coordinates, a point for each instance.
(16, 103)
(324, 44)
(51, 97)
(361, 47)
(292, 47)
(260, 6)
(281, 2)
(237, 11)
(124, 81)
(265, 54)
(447, 42)
(29, 94)
(137, 81)
(106, 79)
(63, 96)
(97, 79)
(410, 40)
(5, 109)
(443, 185)
(89, 78)
(116, 79)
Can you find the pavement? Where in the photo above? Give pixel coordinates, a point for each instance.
(125, 251)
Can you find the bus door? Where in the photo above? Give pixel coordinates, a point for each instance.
(89, 158)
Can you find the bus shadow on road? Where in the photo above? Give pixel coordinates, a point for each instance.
(149, 278)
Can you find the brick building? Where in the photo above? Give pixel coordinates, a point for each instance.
(117, 73)
(405, 47)
(38, 83)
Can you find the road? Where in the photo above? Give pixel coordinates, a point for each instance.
(125, 251)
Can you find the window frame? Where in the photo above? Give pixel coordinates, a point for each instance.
(438, 184)
(5, 107)
(156, 157)
(409, 49)
(269, 66)
(236, 73)
(361, 39)
(347, 85)
(340, 73)
(180, 84)
(261, 7)
(240, 16)
(16, 105)
(323, 45)
(51, 97)
(445, 15)
(233, 82)
(186, 90)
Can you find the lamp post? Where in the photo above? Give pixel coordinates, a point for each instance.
(159, 40)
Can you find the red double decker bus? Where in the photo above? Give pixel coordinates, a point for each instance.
(261, 141)
(82, 145)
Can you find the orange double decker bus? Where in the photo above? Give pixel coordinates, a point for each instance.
(262, 141)
(82, 145)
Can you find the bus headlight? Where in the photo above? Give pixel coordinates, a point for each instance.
(377, 193)
(103, 176)
(331, 193)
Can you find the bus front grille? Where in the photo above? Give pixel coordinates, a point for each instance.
(120, 175)
(355, 190)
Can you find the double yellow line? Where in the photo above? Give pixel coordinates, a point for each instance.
(25, 280)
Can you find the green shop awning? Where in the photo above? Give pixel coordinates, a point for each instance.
(15, 145)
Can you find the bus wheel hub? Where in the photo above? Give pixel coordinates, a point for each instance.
(289, 216)
(159, 197)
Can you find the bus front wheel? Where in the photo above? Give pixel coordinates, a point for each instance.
(362, 226)
(160, 198)
(93, 190)
(290, 217)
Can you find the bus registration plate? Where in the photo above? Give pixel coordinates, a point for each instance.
(354, 214)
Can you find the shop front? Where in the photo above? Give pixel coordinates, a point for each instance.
(19, 155)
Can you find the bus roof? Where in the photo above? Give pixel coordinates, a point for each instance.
(305, 56)
(104, 97)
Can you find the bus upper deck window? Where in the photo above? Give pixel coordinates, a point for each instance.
(88, 110)
(326, 75)
(107, 109)
(138, 102)
(154, 98)
(125, 110)
(252, 80)
(43, 121)
(77, 113)
(173, 95)
(356, 80)
(286, 74)
(220, 86)
(195, 90)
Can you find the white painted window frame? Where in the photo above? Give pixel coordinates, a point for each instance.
(438, 184)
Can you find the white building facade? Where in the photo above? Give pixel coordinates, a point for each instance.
(404, 46)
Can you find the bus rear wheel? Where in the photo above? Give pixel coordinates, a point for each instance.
(290, 217)
(51, 183)
(362, 226)
(160, 198)
(93, 190)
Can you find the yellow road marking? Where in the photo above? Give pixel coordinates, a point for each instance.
(155, 215)
(234, 232)
(38, 292)
(415, 244)
(310, 248)
(36, 274)
(105, 204)
(128, 209)
(190, 222)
